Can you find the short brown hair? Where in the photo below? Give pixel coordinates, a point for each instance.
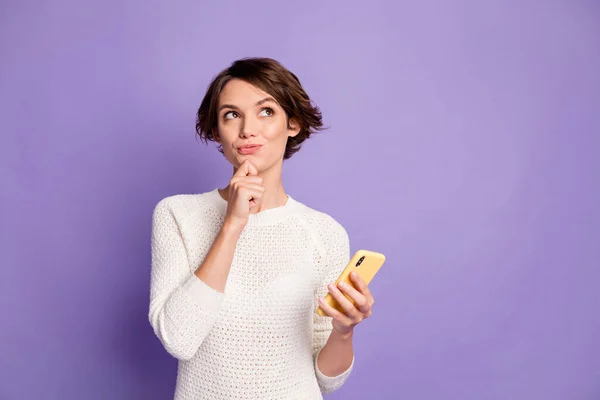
(273, 78)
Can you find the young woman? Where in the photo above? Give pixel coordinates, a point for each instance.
(237, 273)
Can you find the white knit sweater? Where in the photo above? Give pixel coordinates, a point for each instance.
(260, 338)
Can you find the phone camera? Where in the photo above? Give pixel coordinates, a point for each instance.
(360, 261)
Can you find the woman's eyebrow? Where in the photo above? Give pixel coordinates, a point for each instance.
(258, 103)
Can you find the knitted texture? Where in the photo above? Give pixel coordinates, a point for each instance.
(261, 337)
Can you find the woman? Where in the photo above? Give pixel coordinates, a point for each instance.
(237, 273)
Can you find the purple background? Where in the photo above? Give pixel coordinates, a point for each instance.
(464, 144)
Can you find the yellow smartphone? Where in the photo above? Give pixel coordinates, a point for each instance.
(366, 263)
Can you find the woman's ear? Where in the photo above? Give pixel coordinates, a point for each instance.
(293, 127)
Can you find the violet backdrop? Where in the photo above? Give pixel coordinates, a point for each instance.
(463, 143)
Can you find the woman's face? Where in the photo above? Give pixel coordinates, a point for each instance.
(252, 126)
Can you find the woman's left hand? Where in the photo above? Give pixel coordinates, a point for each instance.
(355, 313)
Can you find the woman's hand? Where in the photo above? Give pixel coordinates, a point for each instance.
(344, 323)
(244, 193)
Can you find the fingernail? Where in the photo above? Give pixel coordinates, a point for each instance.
(342, 284)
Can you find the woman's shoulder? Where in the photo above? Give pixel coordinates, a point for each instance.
(323, 223)
(328, 234)
(183, 200)
(187, 204)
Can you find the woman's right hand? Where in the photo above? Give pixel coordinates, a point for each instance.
(245, 192)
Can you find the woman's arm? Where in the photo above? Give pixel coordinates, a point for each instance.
(333, 353)
(244, 192)
(337, 356)
(183, 307)
(214, 270)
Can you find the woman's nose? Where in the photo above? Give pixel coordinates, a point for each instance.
(250, 127)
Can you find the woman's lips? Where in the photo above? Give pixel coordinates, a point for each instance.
(251, 149)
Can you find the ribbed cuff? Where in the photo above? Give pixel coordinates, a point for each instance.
(202, 294)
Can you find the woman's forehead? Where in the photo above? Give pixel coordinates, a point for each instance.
(242, 94)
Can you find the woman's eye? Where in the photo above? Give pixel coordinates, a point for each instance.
(269, 112)
(228, 114)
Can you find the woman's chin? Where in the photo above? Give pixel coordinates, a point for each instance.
(239, 160)
(259, 163)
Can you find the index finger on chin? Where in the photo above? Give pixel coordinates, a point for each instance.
(247, 168)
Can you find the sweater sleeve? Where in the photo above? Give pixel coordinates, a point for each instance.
(183, 309)
(335, 254)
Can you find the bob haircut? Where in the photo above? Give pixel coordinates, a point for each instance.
(273, 78)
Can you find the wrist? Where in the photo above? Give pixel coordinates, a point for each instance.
(231, 230)
(342, 336)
